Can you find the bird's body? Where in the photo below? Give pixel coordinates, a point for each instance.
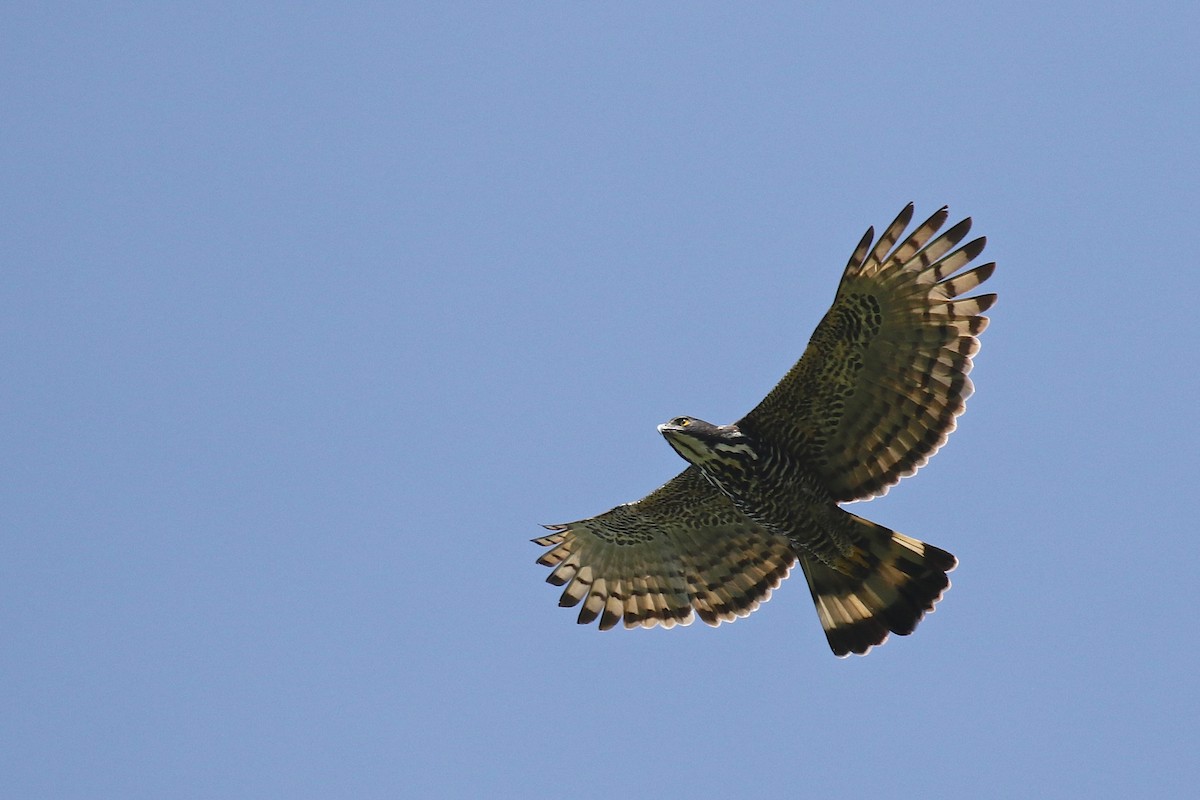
(875, 394)
(767, 484)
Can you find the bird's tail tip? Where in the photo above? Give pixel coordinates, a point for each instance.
(887, 586)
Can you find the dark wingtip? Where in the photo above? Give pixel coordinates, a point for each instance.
(959, 231)
(986, 301)
(974, 247)
(986, 270)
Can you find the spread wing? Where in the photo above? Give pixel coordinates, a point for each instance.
(680, 550)
(884, 376)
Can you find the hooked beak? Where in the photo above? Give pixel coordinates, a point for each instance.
(667, 429)
(680, 442)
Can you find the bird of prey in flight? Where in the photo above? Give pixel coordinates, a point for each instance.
(874, 395)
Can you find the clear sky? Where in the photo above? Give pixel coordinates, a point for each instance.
(310, 315)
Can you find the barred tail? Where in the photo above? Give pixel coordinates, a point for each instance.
(887, 584)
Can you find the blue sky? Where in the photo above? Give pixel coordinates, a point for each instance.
(312, 314)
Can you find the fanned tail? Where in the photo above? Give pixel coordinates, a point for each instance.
(885, 586)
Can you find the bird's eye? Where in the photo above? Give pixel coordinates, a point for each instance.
(683, 422)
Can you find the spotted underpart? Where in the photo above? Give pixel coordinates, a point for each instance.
(624, 533)
(875, 394)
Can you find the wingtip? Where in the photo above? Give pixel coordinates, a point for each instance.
(986, 301)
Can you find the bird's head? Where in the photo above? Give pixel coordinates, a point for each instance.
(722, 452)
